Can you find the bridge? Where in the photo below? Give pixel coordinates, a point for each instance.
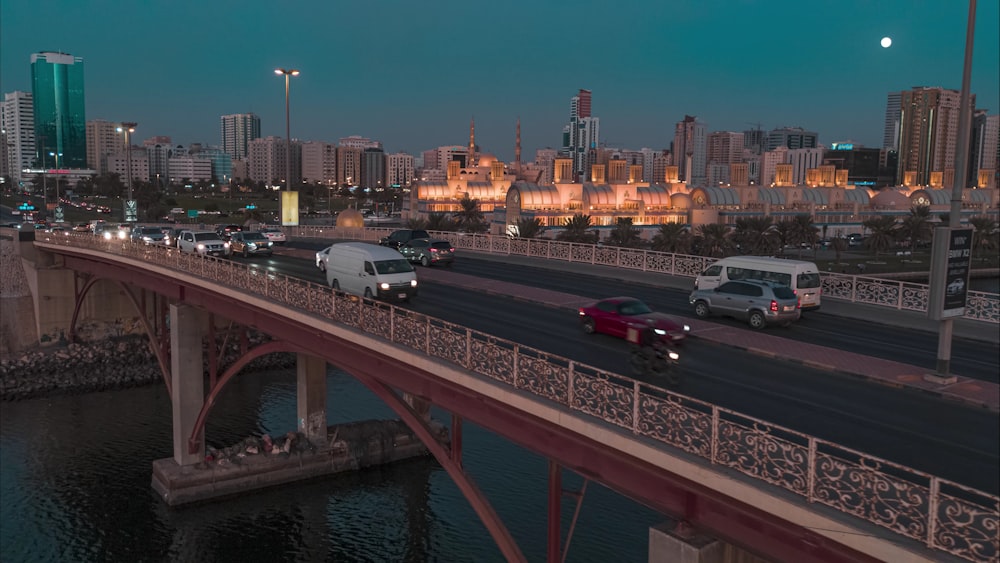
(770, 490)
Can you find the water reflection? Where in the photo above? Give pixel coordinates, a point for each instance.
(75, 486)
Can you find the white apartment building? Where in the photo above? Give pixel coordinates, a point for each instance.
(648, 155)
(319, 163)
(118, 163)
(188, 168)
(103, 138)
(399, 169)
(890, 135)
(17, 119)
(802, 160)
(769, 164)
(359, 142)
(238, 130)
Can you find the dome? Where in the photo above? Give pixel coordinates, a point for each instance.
(486, 159)
(891, 199)
(350, 218)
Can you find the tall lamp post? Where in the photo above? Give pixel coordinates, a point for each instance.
(128, 128)
(58, 207)
(946, 328)
(288, 73)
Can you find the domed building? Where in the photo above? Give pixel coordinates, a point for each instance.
(350, 219)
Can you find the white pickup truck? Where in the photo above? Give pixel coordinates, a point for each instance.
(207, 243)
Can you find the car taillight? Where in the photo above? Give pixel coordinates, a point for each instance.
(798, 304)
(434, 250)
(774, 306)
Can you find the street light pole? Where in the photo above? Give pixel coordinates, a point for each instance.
(288, 73)
(961, 168)
(128, 128)
(57, 155)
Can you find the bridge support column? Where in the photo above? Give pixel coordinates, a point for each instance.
(310, 392)
(677, 542)
(187, 377)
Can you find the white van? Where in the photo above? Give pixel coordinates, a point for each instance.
(802, 277)
(371, 271)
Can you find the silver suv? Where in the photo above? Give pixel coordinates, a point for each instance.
(206, 243)
(757, 302)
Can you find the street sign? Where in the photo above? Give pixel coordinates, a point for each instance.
(192, 213)
(951, 258)
(131, 211)
(59, 215)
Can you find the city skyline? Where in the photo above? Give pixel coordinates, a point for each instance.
(415, 78)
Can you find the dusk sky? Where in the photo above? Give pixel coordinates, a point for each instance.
(412, 74)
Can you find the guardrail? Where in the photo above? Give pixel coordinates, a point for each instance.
(941, 514)
(980, 306)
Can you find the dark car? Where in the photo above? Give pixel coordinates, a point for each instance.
(428, 251)
(250, 243)
(615, 315)
(398, 238)
(225, 231)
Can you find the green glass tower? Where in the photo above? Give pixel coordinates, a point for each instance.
(60, 121)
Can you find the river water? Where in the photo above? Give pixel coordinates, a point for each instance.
(75, 486)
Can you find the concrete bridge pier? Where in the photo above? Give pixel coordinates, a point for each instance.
(188, 327)
(677, 542)
(310, 393)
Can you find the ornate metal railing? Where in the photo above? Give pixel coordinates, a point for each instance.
(884, 292)
(941, 514)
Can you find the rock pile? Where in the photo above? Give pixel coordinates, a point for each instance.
(114, 363)
(283, 446)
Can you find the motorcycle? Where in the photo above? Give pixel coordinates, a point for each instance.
(659, 361)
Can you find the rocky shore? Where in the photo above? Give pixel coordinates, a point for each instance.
(113, 363)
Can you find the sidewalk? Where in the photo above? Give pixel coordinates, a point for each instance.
(895, 374)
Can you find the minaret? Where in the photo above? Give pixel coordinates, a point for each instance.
(517, 147)
(472, 143)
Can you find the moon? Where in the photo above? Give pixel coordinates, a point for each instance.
(886, 41)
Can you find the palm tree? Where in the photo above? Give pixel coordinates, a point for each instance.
(783, 231)
(624, 234)
(470, 218)
(441, 222)
(985, 236)
(839, 244)
(713, 239)
(416, 223)
(883, 233)
(916, 227)
(672, 237)
(529, 227)
(755, 235)
(577, 229)
(803, 230)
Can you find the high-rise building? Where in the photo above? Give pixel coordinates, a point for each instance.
(890, 136)
(118, 162)
(373, 168)
(266, 161)
(238, 130)
(723, 148)
(399, 170)
(349, 165)
(928, 132)
(984, 150)
(103, 138)
(158, 150)
(17, 120)
(60, 119)
(792, 138)
(319, 163)
(582, 135)
(689, 151)
(359, 142)
(803, 160)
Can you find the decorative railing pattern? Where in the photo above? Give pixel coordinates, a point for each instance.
(941, 514)
(884, 292)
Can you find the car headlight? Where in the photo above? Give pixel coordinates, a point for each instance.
(674, 355)
(687, 328)
(121, 235)
(269, 243)
(383, 286)
(413, 283)
(107, 235)
(251, 245)
(201, 246)
(225, 245)
(659, 331)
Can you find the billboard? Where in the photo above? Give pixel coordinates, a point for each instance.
(289, 209)
(951, 258)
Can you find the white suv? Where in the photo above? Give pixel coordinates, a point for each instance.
(206, 243)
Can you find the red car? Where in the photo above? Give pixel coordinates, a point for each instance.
(615, 314)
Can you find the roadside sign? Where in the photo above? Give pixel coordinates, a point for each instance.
(131, 211)
(192, 213)
(951, 258)
(59, 215)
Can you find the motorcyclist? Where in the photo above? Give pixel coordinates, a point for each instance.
(649, 341)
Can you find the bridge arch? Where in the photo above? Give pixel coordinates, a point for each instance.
(158, 353)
